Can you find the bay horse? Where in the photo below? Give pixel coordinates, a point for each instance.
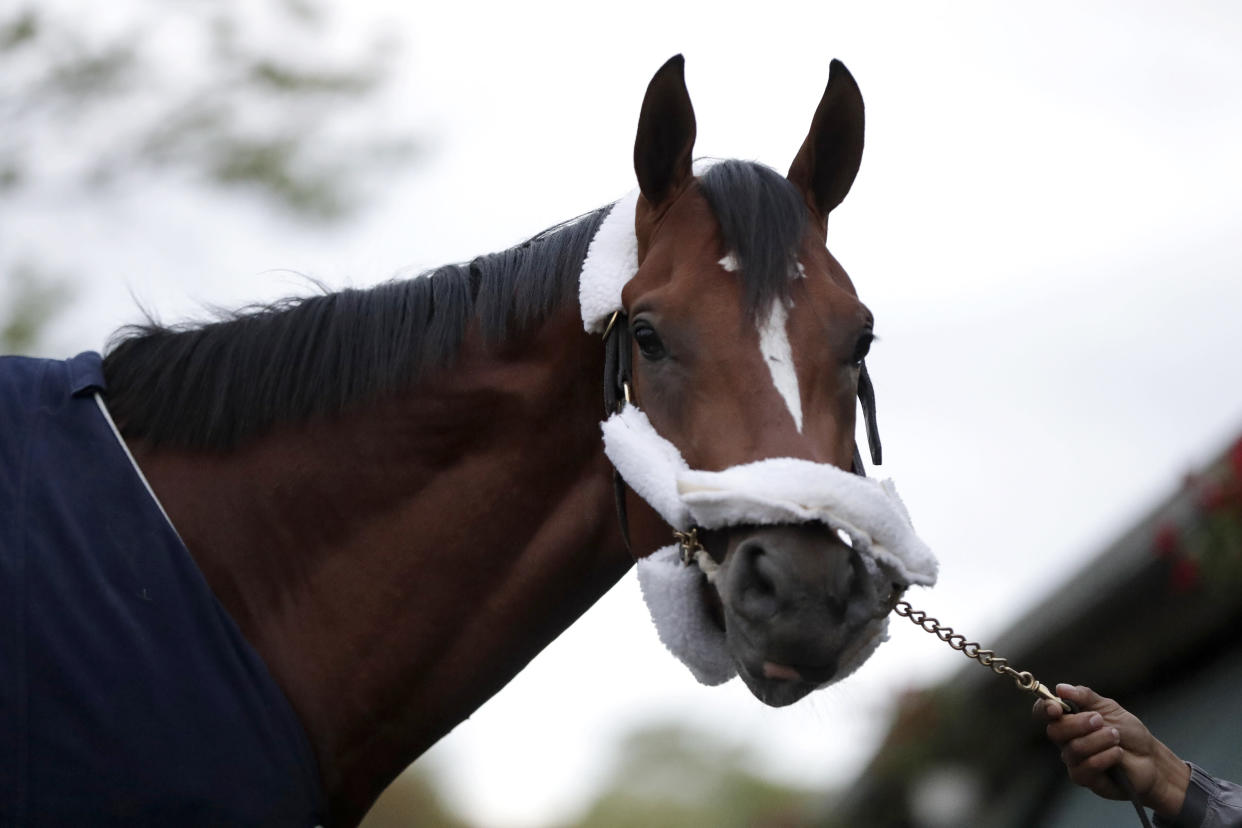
(394, 498)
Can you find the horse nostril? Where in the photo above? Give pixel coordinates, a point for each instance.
(845, 579)
(754, 576)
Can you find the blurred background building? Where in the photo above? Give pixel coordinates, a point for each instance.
(1153, 621)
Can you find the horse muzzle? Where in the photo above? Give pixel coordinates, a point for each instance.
(801, 608)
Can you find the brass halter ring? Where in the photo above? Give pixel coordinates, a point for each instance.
(689, 544)
(612, 320)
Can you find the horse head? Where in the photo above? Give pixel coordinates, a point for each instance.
(748, 341)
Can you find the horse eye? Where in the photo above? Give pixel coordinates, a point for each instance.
(649, 343)
(862, 347)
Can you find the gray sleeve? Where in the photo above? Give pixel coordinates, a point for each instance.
(1210, 803)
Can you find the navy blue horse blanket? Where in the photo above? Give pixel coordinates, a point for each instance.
(128, 696)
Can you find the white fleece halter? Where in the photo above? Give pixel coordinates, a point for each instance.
(766, 492)
(611, 261)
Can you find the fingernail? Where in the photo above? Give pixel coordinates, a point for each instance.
(1116, 736)
(1095, 720)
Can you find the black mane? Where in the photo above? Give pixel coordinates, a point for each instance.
(216, 385)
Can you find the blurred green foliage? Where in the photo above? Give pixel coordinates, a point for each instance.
(33, 296)
(238, 95)
(274, 100)
(673, 776)
(412, 799)
(662, 776)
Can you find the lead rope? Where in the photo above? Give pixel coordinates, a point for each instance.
(1022, 678)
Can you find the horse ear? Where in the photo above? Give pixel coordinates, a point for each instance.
(825, 167)
(662, 150)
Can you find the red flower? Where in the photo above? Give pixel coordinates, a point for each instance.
(1235, 460)
(1184, 575)
(1212, 496)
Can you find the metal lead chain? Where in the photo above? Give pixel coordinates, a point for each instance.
(973, 649)
(1022, 678)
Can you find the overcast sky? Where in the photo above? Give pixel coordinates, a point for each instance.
(1046, 226)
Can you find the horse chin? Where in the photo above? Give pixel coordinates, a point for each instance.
(776, 685)
(779, 684)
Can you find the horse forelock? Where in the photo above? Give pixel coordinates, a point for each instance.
(762, 219)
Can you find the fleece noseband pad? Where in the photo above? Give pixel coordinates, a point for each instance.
(767, 492)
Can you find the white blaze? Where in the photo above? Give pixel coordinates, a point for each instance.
(778, 356)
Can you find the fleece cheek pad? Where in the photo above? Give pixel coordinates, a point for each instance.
(767, 492)
(671, 591)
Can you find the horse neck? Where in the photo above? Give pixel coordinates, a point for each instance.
(398, 566)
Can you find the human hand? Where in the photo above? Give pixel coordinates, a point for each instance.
(1105, 735)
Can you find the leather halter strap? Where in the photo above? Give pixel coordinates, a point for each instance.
(866, 396)
(618, 381)
(618, 390)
